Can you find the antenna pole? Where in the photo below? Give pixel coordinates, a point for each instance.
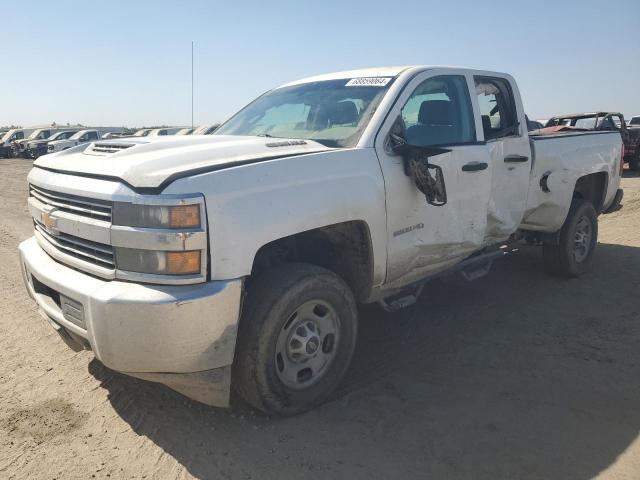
(191, 83)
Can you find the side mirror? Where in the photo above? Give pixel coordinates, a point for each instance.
(427, 177)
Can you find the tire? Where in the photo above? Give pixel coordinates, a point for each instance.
(264, 371)
(634, 163)
(568, 259)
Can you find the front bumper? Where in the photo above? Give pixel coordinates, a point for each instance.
(183, 336)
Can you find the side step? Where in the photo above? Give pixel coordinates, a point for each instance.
(402, 300)
(470, 269)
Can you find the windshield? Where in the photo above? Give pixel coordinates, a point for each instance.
(331, 112)
(8, 135)
(39, 135)
(60, 136)
(635, 121)
(35, 135)
(77, 135)
(587, 123)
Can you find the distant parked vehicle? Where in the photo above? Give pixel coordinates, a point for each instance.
(162, 132)
(37, 148)
(113, 135)
(185, 131)
(533, 124)
(83, 136)
(10, 136)
(206, 129)
(605, 121)
(19, 146)
(143, 132)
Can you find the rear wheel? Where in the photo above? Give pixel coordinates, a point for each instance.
(297, 335)
(573, 255)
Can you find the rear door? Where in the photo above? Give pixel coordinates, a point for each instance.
(506, 140)
(436, 109)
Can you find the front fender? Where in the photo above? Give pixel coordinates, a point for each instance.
(251, 205)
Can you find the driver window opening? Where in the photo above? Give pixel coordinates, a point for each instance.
(439, 112)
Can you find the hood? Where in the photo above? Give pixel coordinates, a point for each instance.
(151, 162)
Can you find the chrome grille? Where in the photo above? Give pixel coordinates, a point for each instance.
(86, 207)
(86, 250)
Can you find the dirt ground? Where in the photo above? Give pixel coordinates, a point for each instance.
(517, 376)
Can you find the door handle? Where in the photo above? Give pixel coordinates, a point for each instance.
(474, 166)
(516, 159)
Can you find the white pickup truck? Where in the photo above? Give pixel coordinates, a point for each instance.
(237, 260)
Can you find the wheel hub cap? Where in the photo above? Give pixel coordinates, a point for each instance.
(582, 239)
(306, 344)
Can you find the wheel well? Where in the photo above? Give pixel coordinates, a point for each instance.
(592, 188)
(344, 248)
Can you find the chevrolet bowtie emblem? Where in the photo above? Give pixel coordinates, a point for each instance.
(48, 221)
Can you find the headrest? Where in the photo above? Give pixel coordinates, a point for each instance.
(339, 113)
(435, 112)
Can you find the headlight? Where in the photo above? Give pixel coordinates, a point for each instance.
(156, 216)
(158, 262)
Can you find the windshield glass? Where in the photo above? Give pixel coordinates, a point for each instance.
(59, 136)
(587, 123)
(8, 135)
(77, 135)
(331, 112)
(635, 121)
(39, 135)
(35, 135)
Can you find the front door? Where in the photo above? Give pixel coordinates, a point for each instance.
(436, 109)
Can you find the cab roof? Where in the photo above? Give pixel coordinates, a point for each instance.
(363, 72)
(381, 72)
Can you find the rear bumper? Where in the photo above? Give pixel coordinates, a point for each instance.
(183, 336)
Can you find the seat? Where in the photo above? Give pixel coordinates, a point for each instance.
(436, 124)
(338, 113)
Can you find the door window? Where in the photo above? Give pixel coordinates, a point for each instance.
(439, 112)
(497, 107)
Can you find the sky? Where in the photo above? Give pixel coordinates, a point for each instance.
(128, 63)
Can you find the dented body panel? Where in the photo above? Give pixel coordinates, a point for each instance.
(562, 160)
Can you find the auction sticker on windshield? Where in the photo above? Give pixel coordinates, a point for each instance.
(368, 82)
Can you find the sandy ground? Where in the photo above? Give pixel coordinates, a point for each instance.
(517, 376)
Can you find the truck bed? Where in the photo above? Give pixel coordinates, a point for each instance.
(559, 159)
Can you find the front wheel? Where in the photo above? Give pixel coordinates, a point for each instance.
(573, 254)
(297, 335)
